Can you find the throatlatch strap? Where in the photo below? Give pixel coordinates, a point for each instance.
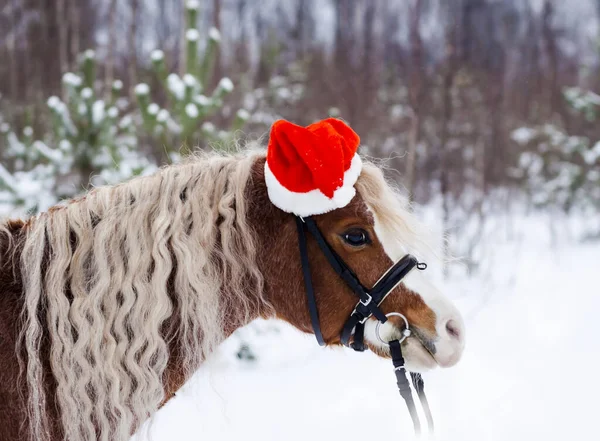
(403, 384)
(310, 294)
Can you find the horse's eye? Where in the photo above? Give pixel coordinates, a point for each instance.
(356, 237)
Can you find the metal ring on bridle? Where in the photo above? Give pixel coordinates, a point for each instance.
(405, 333)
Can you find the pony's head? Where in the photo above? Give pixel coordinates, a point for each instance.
(370, 229)
(370, 234)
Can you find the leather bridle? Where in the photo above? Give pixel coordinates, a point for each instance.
(369, 301)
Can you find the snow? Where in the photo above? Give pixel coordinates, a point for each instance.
(157, 55)
(72, 80)
(214, 34)
(65, 145)
(153, 109)
(208, 127)
(189, 80)
(192, 35)
(532, 162)
(592, 155)
(130, 163)
(192, 4)
(202, 100)
(98, 112)
(126, 122)
(62, 111)
(191, 110)
(53, 102)
(117, 84)
(4, 128)
(243, 114)
(53, 155)
(31, 189)
(529, 371)
(162, 116)
(6, 178)
(399, 111)
(15, 147)
(86, 93)
(226, 84)
(523, 135)
(28, 131)
(112, 112)
(142, 89)
(334, 112)
(176, 86)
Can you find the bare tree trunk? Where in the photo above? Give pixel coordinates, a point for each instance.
(415, 91)
(12, 49)
(110, 58)
(216, 75)
(132, 66)
(62, 24)
(550, 44)
(530, 48)
(411, 157)
(447, 85)
(75, 22)
(182, 44)
(42, 36)
(298, 33)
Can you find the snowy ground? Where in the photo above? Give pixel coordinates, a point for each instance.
(530, 370)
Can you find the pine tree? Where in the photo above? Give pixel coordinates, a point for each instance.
(190, 101)
(91, 139)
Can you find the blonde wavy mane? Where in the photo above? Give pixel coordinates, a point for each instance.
(110, 268)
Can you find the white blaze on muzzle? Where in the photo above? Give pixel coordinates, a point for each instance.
(449, 338)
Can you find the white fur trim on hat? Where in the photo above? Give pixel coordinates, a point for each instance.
(313, 202)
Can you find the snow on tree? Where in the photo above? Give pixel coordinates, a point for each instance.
(560, 168)
(190, 103)
(90, 139)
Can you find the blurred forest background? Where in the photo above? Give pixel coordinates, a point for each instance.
(476, 103)
(485, 111)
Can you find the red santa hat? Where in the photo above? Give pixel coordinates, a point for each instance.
(312, 170)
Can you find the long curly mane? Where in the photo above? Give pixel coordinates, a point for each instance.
(105, 273)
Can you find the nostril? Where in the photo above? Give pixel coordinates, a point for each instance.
(453, 329)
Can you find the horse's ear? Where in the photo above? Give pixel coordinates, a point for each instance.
(312, 170)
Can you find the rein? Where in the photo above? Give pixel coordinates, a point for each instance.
(368, 304)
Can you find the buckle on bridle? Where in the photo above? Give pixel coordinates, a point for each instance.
(367, 302)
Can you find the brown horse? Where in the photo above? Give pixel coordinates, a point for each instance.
(109, 302)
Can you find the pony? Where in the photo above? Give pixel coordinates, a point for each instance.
(109, 302)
